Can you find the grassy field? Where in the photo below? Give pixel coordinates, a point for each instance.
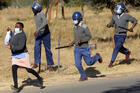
(62, 30)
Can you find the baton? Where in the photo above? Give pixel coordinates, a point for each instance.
(124, 28)
(61, 47)
(70, 46)
(91, 46)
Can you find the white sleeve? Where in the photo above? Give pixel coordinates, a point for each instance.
(7, 38)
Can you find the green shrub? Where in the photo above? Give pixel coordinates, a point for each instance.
(4, 3)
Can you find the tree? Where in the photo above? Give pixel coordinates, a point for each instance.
(4, 3)
(56, 8)
(62, 8)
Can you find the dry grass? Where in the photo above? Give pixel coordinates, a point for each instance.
(62, 30)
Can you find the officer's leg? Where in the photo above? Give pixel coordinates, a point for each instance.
(47, 45)
(118, 45)
(123, 50)
(78, 62)
(87, 57)
(37, 50)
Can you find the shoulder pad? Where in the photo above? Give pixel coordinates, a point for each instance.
(126, 14)
(84, 26)
(40, 13)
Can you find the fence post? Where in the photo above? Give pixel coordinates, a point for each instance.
(58, 56)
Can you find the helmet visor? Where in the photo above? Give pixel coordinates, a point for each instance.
(118, 7)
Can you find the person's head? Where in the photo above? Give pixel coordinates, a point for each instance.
(19, 27)
(36, 8)
(120, 8)
(77, 18)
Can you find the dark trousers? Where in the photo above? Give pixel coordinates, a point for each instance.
(119, 41)
(14, 74)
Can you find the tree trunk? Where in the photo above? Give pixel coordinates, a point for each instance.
(18, 4)
(62, 8)
(56, 9)
(49, 12)
(82, 8)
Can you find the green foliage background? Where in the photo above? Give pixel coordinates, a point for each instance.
(98, 4)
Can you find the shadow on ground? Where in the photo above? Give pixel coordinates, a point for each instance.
(31, 82)
(92, 72)
(45, 69)
(131, 89)
(128, 62)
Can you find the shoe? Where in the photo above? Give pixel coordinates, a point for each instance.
(110, 65)
(35, 65)
(100, 60)
(40, 84)
(127, 56)
(50, 68)
(15, 89)
(83, 79)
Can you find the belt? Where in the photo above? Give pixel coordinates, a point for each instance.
(122, 32)
(83, 43)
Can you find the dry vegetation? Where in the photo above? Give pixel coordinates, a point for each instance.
(62, 29)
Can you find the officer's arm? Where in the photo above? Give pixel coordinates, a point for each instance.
(133, 20)
(73, 42)
(134, 25)
(111, 24)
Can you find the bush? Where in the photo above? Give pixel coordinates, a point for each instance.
(44, 3)
(100, 4)
(97, 4)
(73, 3)
(21, 3)
(4, 3)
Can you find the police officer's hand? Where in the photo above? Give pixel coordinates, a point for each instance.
(108, 25)
(35, 33)
(131, 29)
(70, 45)
(79, 41)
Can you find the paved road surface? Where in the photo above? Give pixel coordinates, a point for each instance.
(129, 84)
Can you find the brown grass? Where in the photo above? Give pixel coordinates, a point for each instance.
(62, 30)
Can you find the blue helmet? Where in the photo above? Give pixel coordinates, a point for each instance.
(36, 8)
(120, 6)
(77, 15)
(119, 9)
